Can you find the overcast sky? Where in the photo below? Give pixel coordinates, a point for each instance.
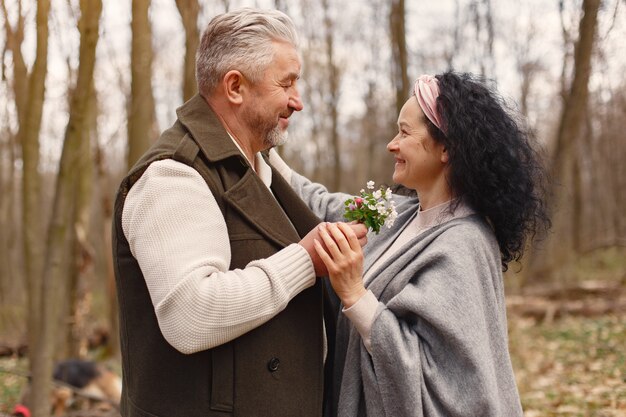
(428, 22)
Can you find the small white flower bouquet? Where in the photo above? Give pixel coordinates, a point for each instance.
(372, 208)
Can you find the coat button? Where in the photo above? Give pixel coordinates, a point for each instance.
(273, 364)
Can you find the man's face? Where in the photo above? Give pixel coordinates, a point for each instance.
(275, 97)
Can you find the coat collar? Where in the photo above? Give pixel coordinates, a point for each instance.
(250, 197)
(207, 130)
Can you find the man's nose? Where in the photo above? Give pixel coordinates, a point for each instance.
(295, 102)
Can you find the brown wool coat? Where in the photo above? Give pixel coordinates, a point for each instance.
(273, 370)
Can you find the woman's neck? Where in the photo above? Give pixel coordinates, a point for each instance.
(432, 199)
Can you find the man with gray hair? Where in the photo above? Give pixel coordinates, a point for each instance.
(221, 313)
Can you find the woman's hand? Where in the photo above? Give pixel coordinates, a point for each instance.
(343, 258)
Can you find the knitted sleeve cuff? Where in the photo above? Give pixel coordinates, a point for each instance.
(292, 266)
(362, 314)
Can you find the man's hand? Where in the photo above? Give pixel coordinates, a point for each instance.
(360, 230)
(308, 243)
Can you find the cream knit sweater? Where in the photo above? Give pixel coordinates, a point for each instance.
(178, 235)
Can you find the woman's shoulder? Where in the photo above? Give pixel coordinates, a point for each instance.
(457, 248)
(471, 233)
(473, 222)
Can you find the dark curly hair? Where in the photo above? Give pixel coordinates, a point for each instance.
(493, 164)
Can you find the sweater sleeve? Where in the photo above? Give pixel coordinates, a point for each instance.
(439, 347)
(179, 237)
(326, 205)
(362, 314)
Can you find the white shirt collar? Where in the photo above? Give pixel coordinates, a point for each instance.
(264, 171)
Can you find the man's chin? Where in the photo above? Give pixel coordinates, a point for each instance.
(284, 138)
(277, 137)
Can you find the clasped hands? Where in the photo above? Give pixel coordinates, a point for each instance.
(335, 249)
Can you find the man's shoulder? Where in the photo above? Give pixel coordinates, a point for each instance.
(170, 137)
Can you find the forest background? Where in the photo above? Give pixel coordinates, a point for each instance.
(87, 86)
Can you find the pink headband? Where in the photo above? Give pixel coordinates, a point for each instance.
(426, 92)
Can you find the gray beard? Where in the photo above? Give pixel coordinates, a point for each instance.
(275, 137)
(271, 134)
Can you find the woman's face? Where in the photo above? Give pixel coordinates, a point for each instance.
(420, 161)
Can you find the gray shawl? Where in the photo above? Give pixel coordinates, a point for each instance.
(439, 339)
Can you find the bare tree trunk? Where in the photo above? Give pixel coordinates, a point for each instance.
(490, 37)
(14, 39)
(6, 222)
(82, 258)
(141, 116)
(577, 97)
(561, 243)
(333, 90)
(29, 140)
(482, 17)
(11, 279)
(189, 10)
(29, 91)
(602, 152)
(451, 54)
(313, 93)
(369, 127)
(281, 5)
(4, 214)
(377, 126)
(527, 66)
(399, 55)
(82, 252)
(107, 216)
(615, 153)
(63, 208)
(567, 55)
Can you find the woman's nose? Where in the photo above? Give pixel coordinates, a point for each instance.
(392, 146)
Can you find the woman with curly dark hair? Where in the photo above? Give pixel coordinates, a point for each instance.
(422, 328)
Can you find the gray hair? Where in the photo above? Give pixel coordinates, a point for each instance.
(241, 40)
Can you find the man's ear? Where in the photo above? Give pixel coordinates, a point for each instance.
(233, 83)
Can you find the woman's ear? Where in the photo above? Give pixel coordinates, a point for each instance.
(444, 155)
(233, 85)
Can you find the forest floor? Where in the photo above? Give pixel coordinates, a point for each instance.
(567, 344)
(569, 366)
(572, 366)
